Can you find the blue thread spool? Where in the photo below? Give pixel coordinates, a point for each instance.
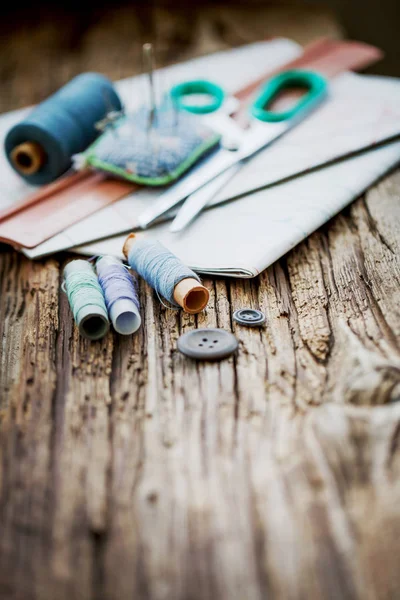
(165, 273)
(41, 146)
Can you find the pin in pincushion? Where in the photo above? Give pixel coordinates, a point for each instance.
(152, 156)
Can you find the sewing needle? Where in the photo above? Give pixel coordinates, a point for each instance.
(148, 56)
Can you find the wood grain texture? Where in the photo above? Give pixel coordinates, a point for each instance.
(128, 471)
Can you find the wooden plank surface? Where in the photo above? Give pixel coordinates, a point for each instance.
(128, 471)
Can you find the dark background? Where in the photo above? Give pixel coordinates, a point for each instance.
(29, 31)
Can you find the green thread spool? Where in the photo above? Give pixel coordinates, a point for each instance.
(86, 299)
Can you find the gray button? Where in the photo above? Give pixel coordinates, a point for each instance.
(249, 316)
(207, 344)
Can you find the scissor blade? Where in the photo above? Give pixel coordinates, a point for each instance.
(197, 201)
(201, 175)
(254, 139)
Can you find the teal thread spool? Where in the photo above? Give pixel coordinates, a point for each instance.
(86, 299)
(41, 146)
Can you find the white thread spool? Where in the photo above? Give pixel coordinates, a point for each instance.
(124, 313)
(93, 321)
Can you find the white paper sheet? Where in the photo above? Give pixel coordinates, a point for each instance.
(243, 237)
(362, 111)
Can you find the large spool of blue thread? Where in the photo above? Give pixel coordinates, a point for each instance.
(41, 146)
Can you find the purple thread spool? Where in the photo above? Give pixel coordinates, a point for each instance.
(120, 294)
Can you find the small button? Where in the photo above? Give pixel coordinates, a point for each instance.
(207, 344)
(249, 317)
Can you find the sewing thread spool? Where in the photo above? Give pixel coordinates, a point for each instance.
(163, 271)
(41, 146)
(86, 299)
(120, 293)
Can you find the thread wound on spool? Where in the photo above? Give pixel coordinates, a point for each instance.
(86, 299)
(164, 272)
(120, 293)
(61, 126)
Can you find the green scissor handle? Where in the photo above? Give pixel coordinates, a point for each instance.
(214, 92)
(313, 82)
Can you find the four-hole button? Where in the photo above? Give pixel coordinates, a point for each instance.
(207, 344)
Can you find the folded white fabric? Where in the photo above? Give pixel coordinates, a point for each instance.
(243, 237)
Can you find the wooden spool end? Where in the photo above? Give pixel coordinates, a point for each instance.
(28, 158)
(190, 294)
(128, 245)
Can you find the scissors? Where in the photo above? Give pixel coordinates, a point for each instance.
(237, 145)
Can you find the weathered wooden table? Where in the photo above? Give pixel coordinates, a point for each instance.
(128, 471)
